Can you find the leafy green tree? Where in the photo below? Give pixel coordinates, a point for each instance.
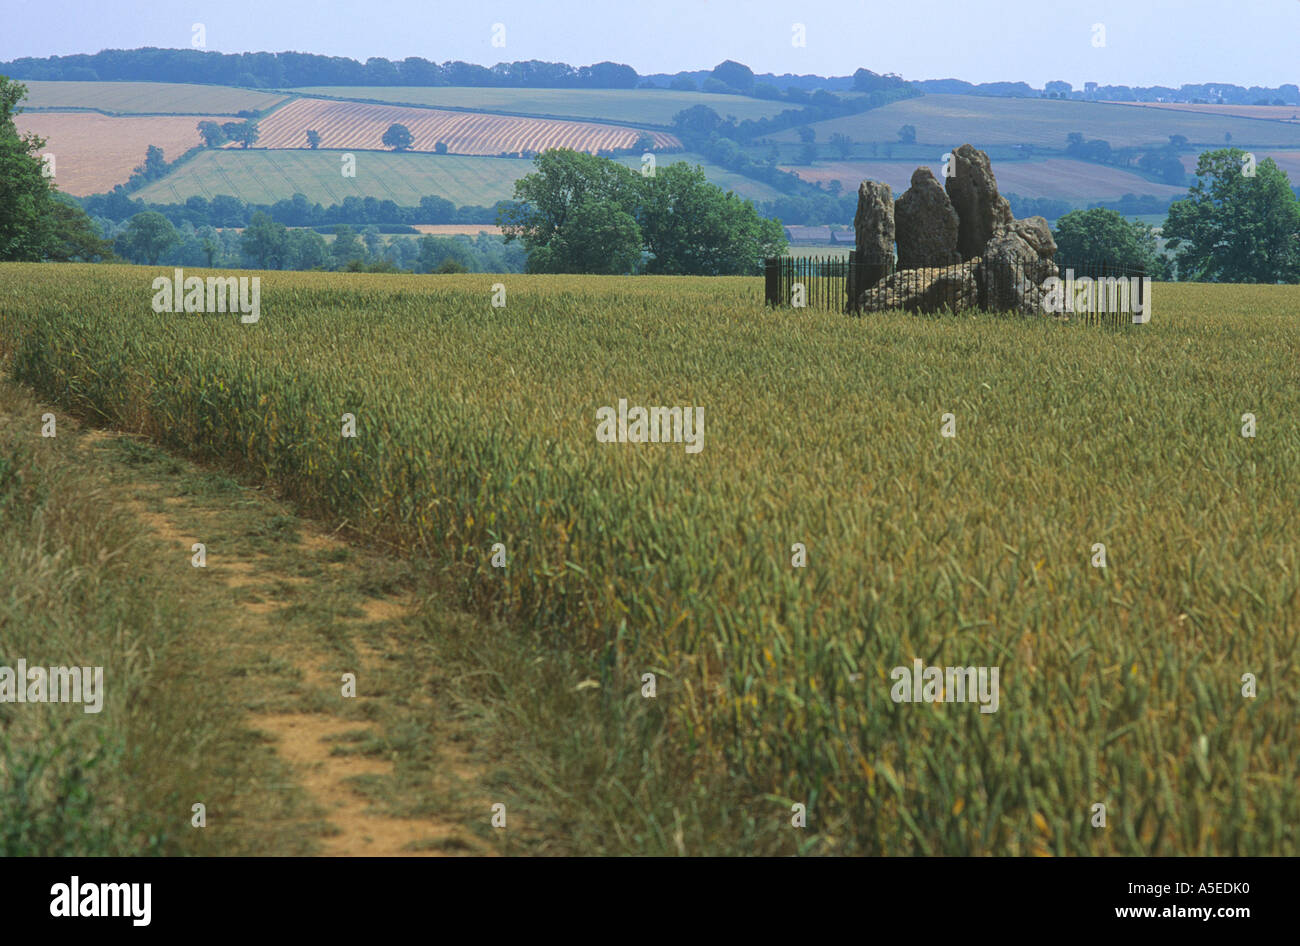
(440, 147)
(155, 165)
(443, 255)
(843, 144)
(434, 209)
(25, 191)
(600, 237)
(243, 132)
(398, 137)
(546, 205)
(1234, 228)
(692, 227)
(313, 139)
(212, 134)
(807, 135)
(305, 249)
(147, 237)
(346, 246)
(735, 75)
(807, 153)
(74, 237)
(264, 242)
(698, 120)
(907, 134)
(1103, 236)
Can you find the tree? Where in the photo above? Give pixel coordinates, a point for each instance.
(547, 201)
(74, 237)
(1234, 228)
(1178, 142)
(735, 75)
(683, 84)
(155, 165)
(25, 192)
(1103, 236)
(148, 236)
(907, 134)
(807, 135)
(243, 132)
(807, 153)
(697, 120)
(398, 137)
(643, 143)
(693, 227)
(313, 140)
(434, 209)
(440, 147)
(346, 246)
(600, 237)
(843, 144)
(212, 134)
(264, 242)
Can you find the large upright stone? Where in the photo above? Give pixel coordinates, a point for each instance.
(873, 227)
(926, 225)
(982, 212)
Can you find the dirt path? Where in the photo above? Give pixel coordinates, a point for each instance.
(385, 770)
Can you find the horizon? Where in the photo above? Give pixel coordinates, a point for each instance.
(1158, 45)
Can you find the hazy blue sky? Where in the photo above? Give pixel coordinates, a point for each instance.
(1148, 42)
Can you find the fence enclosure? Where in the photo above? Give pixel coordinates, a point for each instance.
(1111, 293)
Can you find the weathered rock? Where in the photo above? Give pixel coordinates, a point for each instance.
(926, 224)
(982, 212)
(873, 227)
(1011, 275)
(952, 288)
(1038, 234)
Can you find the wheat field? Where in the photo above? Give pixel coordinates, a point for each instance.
(476, 427)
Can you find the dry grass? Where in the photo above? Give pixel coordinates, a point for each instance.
(93, 153)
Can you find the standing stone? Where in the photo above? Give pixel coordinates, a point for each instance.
(982, 212)
(927, 225)
(873, 226)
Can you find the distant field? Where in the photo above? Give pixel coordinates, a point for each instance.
(746, 187)
(951, 120)
(267, 176)
(93, 153)
(1288, 161)
(457, 229)
(638, 106)
(1272, 112)
(129, 97)
(1060, 178)
(356, 125)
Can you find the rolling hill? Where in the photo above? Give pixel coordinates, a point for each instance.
(265, 176)
(148, 98)
(950, 120)
(1062, 178)
(94, 152)
(358, 125)
(631, 106)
